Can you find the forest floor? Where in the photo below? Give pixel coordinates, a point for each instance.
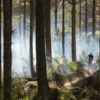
(83, 84)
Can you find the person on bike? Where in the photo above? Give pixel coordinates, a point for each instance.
(90, 57)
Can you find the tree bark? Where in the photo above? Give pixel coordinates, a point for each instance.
(20, 16)
(99, 16)
(93, 18)
(7, 7)
(86, 17)
(63, 28)
(80, 17)
(73, 30)
(0, 49)
(55, 14)
(32, 10)
(48, 29)
(24, 22)
(99, 33)
(20, 25)
(40, 50)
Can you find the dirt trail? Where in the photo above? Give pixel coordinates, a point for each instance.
(85, 70)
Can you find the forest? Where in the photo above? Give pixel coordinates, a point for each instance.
(49, 49)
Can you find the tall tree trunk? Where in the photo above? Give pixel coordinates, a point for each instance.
(80, 17)
(99, 33)
(86, 17)
(7, 48)
(32, 10)
(99, 16)
(56, 14)
(0, 49)
(40, 50)
(63, 27)
(24, 22)
(93, 18)
(20, 25)
(48, 30)
(20, 16)
(73, 30)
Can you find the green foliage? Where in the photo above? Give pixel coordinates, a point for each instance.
(26, 98)
(49, 70)
(57, 63)
(67, 95)
(16, 18)
(73, 65)
(57, 33)
(16, 98)
(60, 61)
(97, 33)
(17, 90)
(2, 82)
(34, 94)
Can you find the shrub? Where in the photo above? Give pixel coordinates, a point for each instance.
(17, 90)
(73, 65)
(67, 95)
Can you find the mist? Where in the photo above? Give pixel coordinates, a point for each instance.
(20, 47)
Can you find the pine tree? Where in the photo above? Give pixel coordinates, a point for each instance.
(7, 7)
(86, 17)
(24, 21)
(32, 10)
(73, 30)
(20, 24)
(99, 33)
(40, 50)
(0, 49)
(56, 14)
(80, 17)
(93, 18)
(48, 30)
(63, 27)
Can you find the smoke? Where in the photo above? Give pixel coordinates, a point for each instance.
(20, 53)
(84, 46)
